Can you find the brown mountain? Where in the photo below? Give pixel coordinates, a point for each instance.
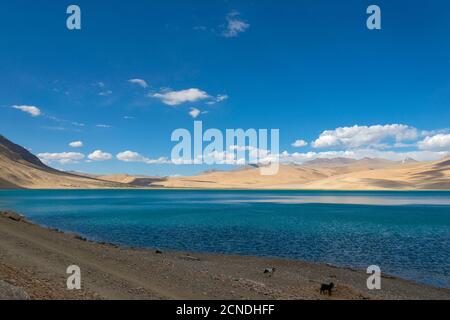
(137, 181)
(334, 174)
(325, 162)
(21, 169)
(19, 154)
(346, 165)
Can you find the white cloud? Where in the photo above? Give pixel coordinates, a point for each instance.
(103, 126)
(76, 144)
(359, 136)
(194, 113)
(300, 143)
(105, 93)
(62, 158)
(32, 110)
(175, 98)
(361, 154)
(235, 25)
(219, 98)
(439, 142)
(130, 156)
(99, 155)
(261, 156)
(139, 82)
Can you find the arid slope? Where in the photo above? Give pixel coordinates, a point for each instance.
(335, 174)
(21, 169)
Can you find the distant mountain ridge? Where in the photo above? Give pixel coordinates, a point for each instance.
(19, 168)
(330, 174)
(342, 162)
(138, 181)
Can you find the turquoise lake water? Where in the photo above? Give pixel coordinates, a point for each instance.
(405, 233)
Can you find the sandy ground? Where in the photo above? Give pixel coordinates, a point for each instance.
(33, 263)
(370, 174)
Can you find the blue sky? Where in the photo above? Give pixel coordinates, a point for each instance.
(309, 68)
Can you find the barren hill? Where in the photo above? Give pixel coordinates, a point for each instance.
(330, 174)
(21, 169)
(138, 181)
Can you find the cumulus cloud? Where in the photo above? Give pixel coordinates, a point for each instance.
(76, 144)
(175, 98)
(62, 158)
(194, 113)
(359, 136)
(438, 142)
(235, 25)
(358, 154)
(300, 143)
(261, 156)
(99, 155)
(139, 82)
(379, 141)
(32, 110)
(131, 156)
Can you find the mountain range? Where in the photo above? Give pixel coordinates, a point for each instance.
(19, 169)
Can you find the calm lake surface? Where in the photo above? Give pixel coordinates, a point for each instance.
(406, 233)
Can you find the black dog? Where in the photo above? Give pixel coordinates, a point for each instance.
(269, 271)
(326, 287)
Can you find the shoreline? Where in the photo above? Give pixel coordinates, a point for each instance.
(228, 189)
(33, 260)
